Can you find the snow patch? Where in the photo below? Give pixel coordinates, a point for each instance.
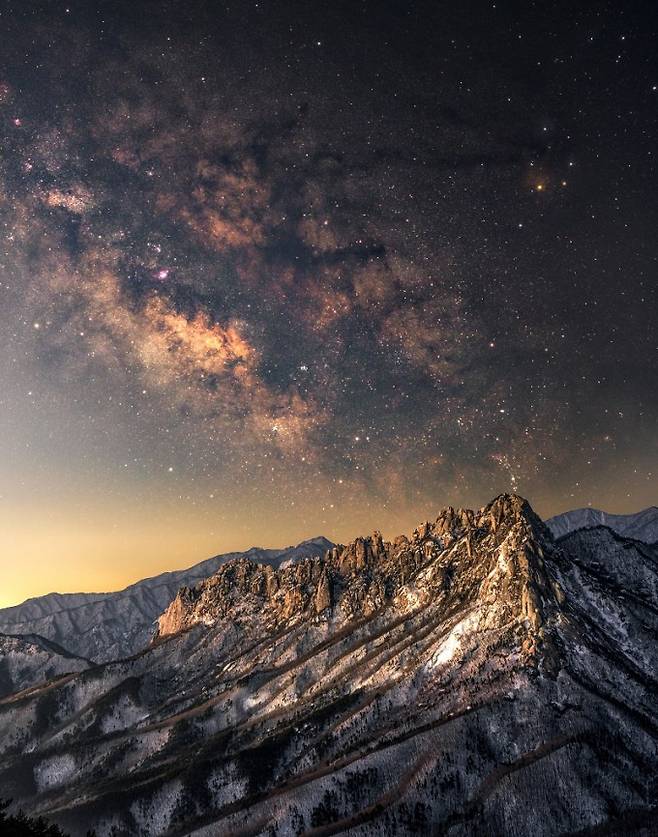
(452, 645)
(54, 771)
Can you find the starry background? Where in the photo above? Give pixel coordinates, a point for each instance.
(271, 270)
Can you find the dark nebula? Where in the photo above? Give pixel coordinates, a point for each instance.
(278, 268)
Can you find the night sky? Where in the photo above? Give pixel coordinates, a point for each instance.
(274, 270)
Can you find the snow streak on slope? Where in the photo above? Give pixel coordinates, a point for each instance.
(31, 659)
(471, 679)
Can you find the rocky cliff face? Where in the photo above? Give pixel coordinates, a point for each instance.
(494, 553)
(107, 626)
(471, 678)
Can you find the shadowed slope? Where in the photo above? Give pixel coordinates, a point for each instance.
(463, 680)
(642, 526)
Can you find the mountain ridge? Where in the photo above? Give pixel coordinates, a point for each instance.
(642, 525)
(367, 554)
(457, 681)
(30, 659)
(96, 595)
(102, 626)
(255, 695)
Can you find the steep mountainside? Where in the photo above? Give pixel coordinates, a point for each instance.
(642, 526)
(107, 626)
(29, 660)
(470, 679)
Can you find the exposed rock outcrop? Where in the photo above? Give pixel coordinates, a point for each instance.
(492, 547)
(107, 626)
(471, 678)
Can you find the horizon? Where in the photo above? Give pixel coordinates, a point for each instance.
(186, 564)
(257, 278)
(376, 272)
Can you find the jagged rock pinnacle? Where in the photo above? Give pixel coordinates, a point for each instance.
(490, 553)
(473, 650)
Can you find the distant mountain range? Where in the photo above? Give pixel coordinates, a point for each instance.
(474, 678)
(107, 626)
(642, 526)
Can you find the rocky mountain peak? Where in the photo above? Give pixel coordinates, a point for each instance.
(445, 672)
(490, 559)
(103, 626)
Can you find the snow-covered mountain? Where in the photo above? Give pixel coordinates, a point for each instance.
(642, 526)
(107, 626)
(473, 678)
(31, 660)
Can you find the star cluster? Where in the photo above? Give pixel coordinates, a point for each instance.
(273, 269)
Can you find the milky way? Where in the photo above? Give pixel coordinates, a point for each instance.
(325, 268)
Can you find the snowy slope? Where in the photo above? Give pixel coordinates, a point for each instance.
(26, 661)
(642, 526)
(106, 626)
(470, 679)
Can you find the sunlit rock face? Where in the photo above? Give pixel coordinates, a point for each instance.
(106, 626)
(471, 678)
(452, 557)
